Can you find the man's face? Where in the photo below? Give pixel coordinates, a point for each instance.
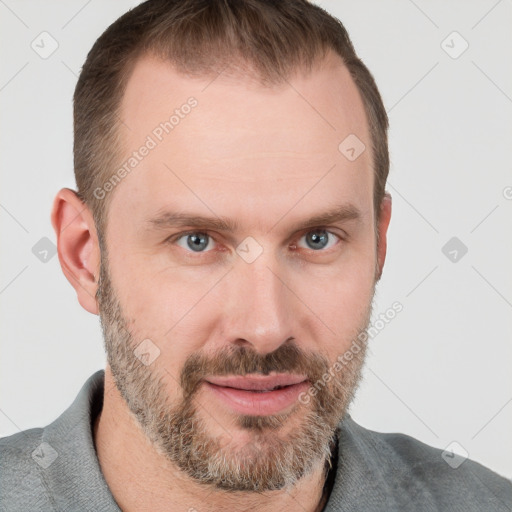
(275, 299)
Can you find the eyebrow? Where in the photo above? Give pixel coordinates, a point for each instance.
(171, 219)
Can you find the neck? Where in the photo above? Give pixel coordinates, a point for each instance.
(125, 455)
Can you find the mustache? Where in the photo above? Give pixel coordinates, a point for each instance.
(287, 358)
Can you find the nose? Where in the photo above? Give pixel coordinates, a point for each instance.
(260, 307)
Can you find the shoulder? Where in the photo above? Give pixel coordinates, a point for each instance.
(22, 483)
(412, 473)
(15, 450)
(46, 468)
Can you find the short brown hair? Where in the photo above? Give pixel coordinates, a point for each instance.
(201, 37)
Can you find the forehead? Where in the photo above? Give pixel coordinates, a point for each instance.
(224, 141)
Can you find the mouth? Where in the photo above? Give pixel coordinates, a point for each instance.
(257, 395)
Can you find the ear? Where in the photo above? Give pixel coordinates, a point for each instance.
(382, 227)
(77, 246)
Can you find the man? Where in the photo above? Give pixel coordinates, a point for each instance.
(229, 228)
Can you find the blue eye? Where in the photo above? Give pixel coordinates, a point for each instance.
(197, 241)
(201, 242)
(318, 239)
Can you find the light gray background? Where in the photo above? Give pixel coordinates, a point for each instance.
(440, 371)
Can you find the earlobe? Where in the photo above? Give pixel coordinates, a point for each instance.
(77, 245)
(383, 224)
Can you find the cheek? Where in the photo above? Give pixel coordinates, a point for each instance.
(167, 307)
(340, 299)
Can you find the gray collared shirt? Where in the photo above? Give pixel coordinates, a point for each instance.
(56, 469)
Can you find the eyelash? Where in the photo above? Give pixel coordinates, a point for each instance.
(174, 238)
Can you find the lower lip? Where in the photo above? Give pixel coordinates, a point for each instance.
(258, 404)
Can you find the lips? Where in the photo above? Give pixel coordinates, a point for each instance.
(258, 383)
(257, 394)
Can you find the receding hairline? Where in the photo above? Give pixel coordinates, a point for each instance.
(259, 41)
(234, 70)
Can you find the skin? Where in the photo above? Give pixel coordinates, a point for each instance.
(267, 158)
